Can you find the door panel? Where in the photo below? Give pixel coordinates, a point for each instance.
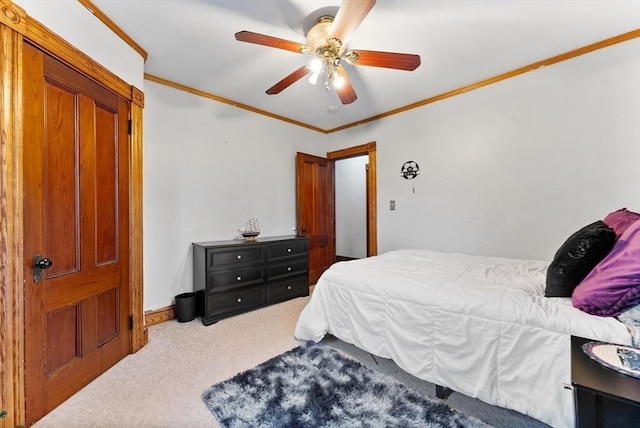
(315, 210)
(107, 310)
(75, 214)
(62, 348)
(60, 169)
(106, 194)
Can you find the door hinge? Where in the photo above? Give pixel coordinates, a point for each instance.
(129, 127)
(130, 322)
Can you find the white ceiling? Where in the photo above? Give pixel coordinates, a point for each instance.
(460, 42)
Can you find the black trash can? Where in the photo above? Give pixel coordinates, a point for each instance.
(185, 307)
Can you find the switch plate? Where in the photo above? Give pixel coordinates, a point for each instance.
(392, 205)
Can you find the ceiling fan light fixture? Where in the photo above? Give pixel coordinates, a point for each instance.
(338, 81)
(313, 77)
(315, 65)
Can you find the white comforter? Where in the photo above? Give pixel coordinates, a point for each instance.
(478, 325)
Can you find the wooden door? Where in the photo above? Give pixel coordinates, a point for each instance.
(76, 215)
(315, 201)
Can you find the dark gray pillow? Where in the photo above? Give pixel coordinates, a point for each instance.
(577, 256)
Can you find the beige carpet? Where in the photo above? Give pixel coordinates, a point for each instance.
(161, 385)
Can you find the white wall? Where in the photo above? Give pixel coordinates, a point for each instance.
(208, 168)
(351, 206)
(512, 169)
(73, 22)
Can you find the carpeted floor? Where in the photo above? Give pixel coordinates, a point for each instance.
(315, 385)
(162, 384)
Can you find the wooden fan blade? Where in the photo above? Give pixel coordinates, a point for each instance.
(346, 92)
(288, 81)
(399, 61)
(348, 18)
(274, 42)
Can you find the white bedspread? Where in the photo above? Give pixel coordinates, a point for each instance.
(478, 325)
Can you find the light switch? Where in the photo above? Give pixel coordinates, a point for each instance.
(392, 205)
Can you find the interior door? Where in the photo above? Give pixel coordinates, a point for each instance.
(315, 201)
(76, 230)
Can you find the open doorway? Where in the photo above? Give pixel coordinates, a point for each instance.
(355, 191)
(351, 207)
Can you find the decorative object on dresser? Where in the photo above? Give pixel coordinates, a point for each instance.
(250, 230)
(231, 277)
(603, 397)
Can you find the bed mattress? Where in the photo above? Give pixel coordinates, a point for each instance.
(478, 325)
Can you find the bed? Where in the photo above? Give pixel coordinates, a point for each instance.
(481, 326)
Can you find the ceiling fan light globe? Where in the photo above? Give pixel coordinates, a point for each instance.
(338, 82)
(316, 65)
(313, 78)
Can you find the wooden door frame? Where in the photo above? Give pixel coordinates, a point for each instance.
(368, 149)
(17, 28)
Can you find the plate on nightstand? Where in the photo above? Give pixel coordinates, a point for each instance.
(623, 359)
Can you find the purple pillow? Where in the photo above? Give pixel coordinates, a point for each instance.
(614, 284)
(620, 220)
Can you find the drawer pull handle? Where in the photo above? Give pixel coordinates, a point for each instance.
(288, 250)
(239, 278)
(239, 300)
(288, 287)
(238, 257)
(288, 268)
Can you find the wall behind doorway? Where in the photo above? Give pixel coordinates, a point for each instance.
(351, 206)
(514, 168)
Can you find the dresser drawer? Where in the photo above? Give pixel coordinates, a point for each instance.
(219, 305)
(283, 290)
(291, 249)
(218, 259)
(293, 267)
(237, 278)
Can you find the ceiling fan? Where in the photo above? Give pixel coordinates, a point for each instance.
(326, 41)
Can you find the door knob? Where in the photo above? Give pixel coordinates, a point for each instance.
(40, 263)
(44, 263)
(303, 229)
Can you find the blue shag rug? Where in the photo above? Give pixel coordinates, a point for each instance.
(316, 386)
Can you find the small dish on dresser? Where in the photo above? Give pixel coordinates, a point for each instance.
(621, 358)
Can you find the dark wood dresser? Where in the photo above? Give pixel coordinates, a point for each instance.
(603, 397)
(231, 277)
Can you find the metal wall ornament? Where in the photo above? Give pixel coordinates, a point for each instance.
(409, 171)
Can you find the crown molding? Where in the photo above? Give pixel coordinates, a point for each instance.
(527, 68)
(114, 27)
(531, 67)
(198, 92)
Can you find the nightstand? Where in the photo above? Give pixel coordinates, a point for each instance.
(603, 397)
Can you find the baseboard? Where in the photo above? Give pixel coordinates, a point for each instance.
(168, 313)
(161, 315)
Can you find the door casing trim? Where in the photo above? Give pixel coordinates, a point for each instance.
(368, 149)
